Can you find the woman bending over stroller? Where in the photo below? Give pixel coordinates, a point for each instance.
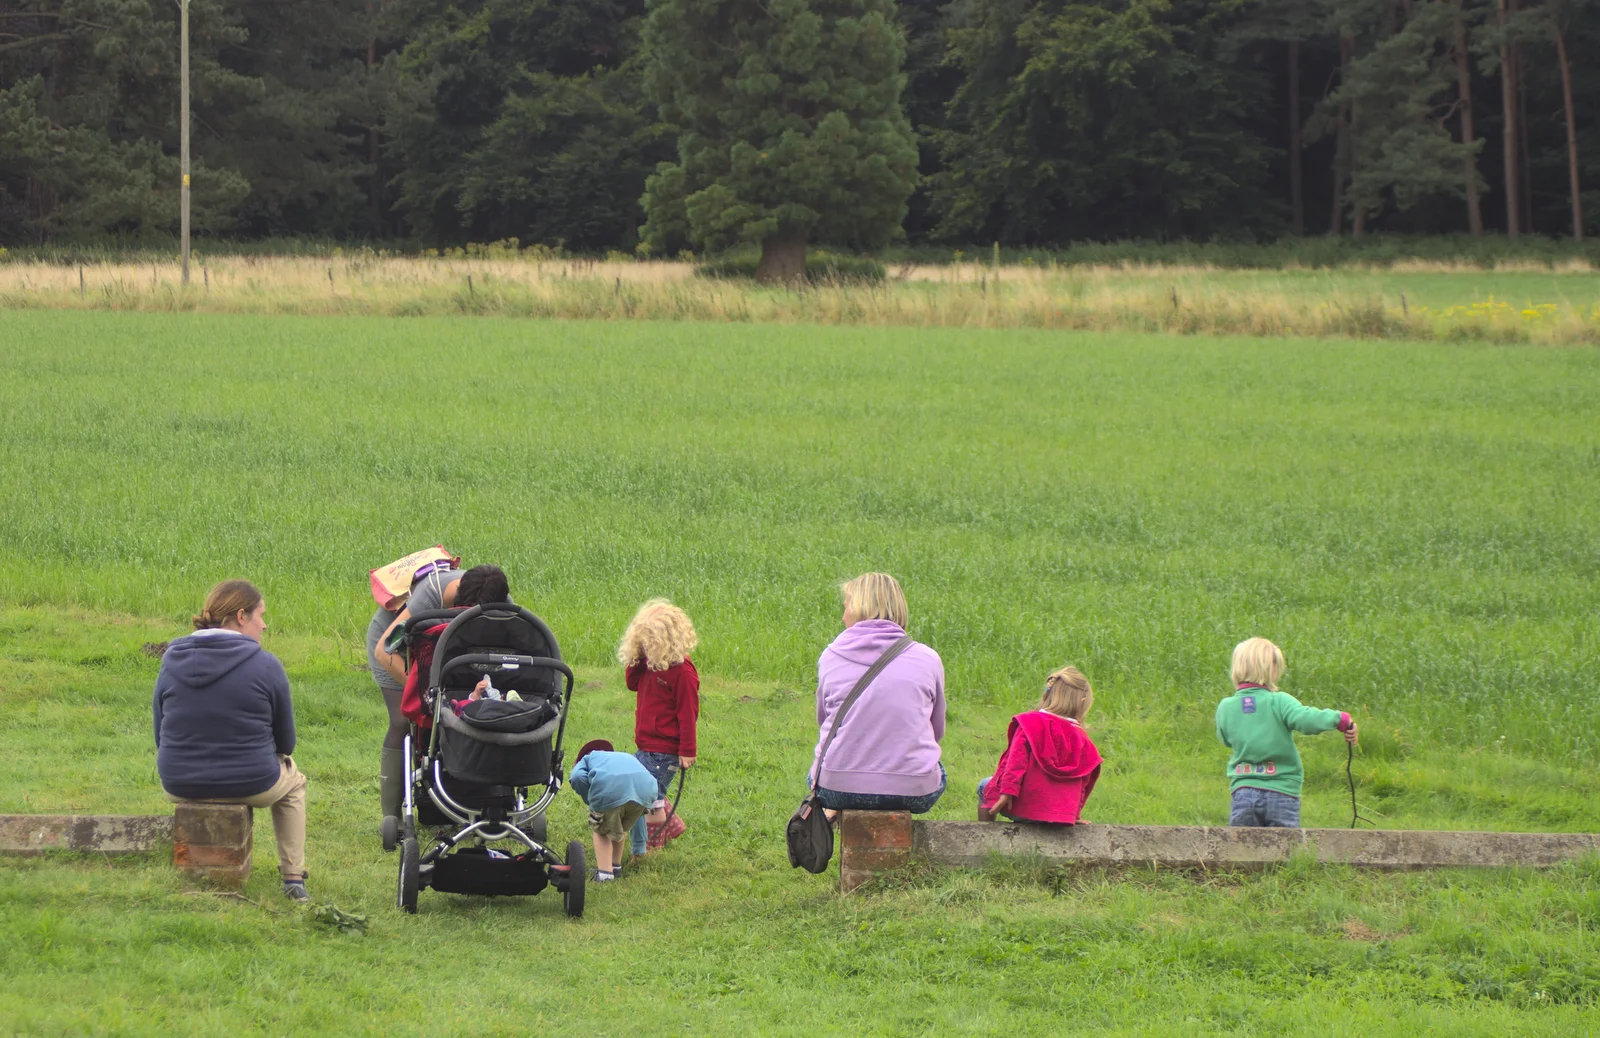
(437, 588)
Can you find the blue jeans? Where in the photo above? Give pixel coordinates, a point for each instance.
(1264, 807)
(835, 800)
(661, 766)
(983, 784)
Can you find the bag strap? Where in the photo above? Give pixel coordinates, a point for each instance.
(873, 671)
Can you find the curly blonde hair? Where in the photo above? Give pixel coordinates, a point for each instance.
(659, 636)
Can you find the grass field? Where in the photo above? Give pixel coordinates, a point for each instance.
(1550, 302)
(1413, 523)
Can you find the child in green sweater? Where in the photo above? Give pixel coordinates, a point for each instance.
(1256, 722)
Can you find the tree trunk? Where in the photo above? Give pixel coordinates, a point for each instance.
(1572, 135)
(374, 187)
(1508, 101)
(1343, 144)
(1526, 179)
(1296, 182)
(1469, 163)
(783, 258)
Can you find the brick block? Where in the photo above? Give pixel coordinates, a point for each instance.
(216, 825)
(874, 859)
(875, 829)
(871, 842)
(214, 842)
(850, 879)
(191, 855)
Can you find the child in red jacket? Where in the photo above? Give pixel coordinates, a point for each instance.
(1050, 765)
(655, 650)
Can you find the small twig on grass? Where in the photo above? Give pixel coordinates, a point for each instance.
(233, 894)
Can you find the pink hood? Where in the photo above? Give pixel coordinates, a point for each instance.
(1049, 768)
(1059, 746)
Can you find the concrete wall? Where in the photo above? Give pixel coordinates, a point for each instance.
(1183, 846)
(109, 834)
(875, 841)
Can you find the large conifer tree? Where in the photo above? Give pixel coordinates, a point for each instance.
(791, 128)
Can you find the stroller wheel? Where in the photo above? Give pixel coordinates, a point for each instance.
(410, 876)
(389, 831)
(538, 828)
(572, 896)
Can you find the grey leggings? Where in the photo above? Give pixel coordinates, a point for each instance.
(395, 737)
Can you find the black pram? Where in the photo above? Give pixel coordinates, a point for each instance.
(470, 773)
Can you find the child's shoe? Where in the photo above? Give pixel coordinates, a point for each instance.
(604, 877)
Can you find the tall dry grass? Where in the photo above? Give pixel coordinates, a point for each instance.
(1125, 297)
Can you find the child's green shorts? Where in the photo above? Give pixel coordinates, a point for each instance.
(615, 823)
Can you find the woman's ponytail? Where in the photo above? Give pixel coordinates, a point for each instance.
(225, 602)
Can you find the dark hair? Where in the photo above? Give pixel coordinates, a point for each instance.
(482, 585)
(225, 602)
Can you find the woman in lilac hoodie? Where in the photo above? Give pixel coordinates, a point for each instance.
(886, 755)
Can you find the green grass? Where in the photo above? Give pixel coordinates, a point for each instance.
(1414, 524)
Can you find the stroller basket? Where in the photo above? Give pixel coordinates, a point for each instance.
(474, 871)
(499, 742)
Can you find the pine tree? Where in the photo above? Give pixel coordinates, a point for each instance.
(791, 129)
(1392, 104)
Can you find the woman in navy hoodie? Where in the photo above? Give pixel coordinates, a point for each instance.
(225, 725)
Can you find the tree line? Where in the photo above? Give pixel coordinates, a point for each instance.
(662, 125)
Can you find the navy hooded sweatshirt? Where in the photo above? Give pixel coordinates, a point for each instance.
(222, 715)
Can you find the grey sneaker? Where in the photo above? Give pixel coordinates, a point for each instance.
(295, 890)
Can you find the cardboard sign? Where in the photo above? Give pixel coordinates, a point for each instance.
(391, 584)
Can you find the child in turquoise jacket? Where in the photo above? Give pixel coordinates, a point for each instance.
(1257, 722)
(618, 790)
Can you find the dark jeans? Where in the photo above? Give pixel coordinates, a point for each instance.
(836, 800)
(1264, 807)
(661, 766)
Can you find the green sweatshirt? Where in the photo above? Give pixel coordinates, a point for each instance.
(1256, 724)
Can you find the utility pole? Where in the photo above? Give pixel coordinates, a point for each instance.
(183, 131)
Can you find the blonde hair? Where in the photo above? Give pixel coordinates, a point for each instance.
(1067, 694)
(1257, 661)
(660, 636)
(875, 596)
(225, 602)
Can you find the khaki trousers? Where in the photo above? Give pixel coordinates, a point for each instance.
(287, 798)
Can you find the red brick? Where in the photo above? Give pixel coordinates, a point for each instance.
(850, 879)
(186, 856)
(234, 877)
(875, 859)
(875, 829)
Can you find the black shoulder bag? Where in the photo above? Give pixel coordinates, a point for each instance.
(810, 834)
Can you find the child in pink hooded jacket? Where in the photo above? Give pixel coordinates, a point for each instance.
(1050, 765)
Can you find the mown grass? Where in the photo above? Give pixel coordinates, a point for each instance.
(1516, 301)
(1412, 522)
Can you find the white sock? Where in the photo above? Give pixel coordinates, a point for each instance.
(604, 877)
